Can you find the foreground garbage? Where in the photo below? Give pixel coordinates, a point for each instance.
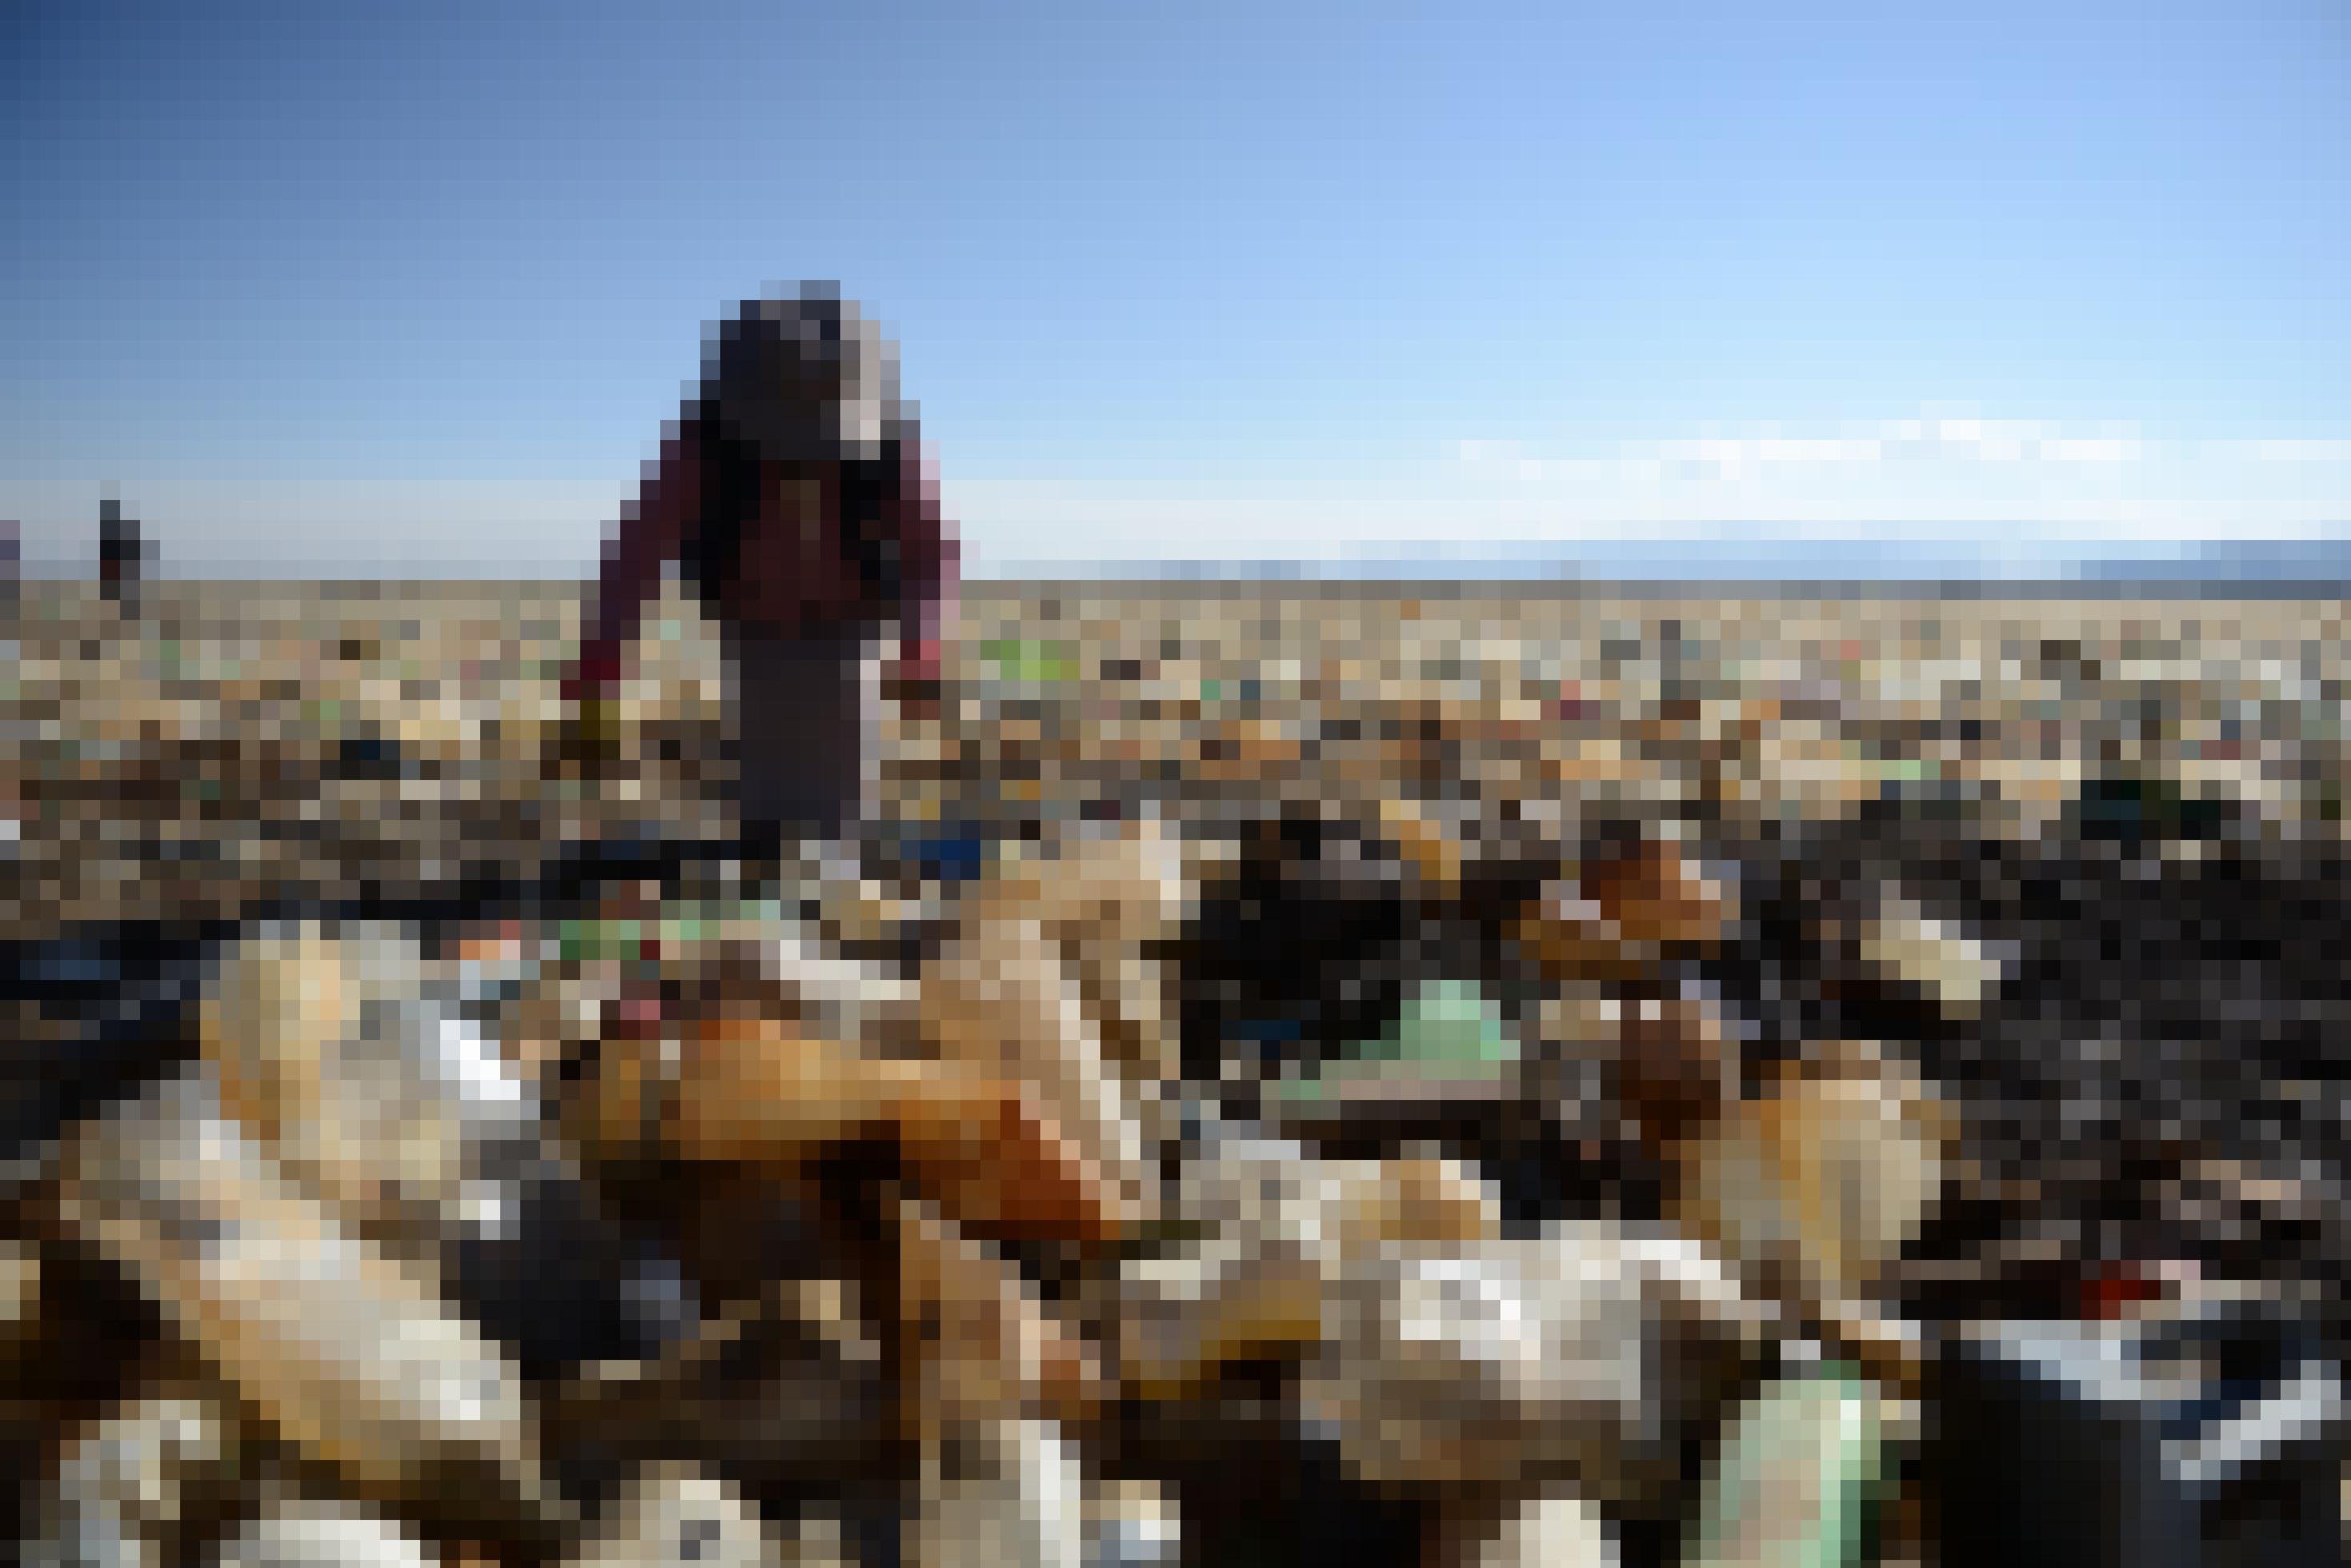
(1372, 1184)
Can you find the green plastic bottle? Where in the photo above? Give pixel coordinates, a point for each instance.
(1798, 1478)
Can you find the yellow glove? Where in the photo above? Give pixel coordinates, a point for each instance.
(599, 726)
(587, 741)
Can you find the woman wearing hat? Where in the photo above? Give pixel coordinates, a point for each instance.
(795, 497)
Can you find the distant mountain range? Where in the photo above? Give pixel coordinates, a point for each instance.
(2319, 567)
(2258, 560)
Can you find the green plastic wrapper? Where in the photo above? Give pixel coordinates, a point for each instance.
(1449, 1031)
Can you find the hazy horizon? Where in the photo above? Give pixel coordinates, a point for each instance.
(2319, 565)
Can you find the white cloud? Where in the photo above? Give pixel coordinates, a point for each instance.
(1959, 476)
(2300, 451)
(1968, 439)
(2092, 449)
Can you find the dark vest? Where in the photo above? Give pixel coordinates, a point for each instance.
(862, 497)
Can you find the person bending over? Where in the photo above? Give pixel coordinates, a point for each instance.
(796, 499)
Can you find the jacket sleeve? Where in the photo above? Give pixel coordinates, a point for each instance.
(653, 532)
(931, 563)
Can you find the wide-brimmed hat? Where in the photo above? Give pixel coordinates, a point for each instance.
(806, 378)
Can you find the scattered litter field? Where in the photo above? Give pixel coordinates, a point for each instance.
(1410, 1074)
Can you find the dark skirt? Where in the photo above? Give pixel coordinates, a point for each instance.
(807, 713)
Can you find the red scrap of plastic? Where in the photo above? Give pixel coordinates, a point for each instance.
(2111, 1294)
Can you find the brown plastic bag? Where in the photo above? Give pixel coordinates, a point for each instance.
(757, 1092)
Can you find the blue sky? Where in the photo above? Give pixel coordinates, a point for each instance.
(411, 288)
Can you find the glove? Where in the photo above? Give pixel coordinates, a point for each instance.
(914, 683)
(586, 742)
(598, 720)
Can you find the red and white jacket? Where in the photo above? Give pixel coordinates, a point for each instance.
(795, 575)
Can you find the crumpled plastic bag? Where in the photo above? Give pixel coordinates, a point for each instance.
(398, 1111)
(1011, 1495)
(313, 1534)
(1504, 1364)
(122, 1484)
(1275, 1226)
(1556, 1531)
(1822, 1179)
(1436, 1352)
(675, 1515)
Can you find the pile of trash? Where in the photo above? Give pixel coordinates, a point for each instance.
(663, 1229)
(1341, 1187)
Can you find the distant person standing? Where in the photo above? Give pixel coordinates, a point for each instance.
(121, 555)
(795, 498)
